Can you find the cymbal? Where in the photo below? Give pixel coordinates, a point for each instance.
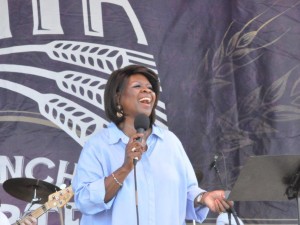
(25, 189)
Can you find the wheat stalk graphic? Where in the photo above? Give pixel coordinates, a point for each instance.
(98, 57)
(75, 120)
(226, 59)
(86, 87)
(251, 116)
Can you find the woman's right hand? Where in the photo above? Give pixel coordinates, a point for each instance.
(134, 150)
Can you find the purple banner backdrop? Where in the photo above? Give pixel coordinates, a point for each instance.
(228, 69)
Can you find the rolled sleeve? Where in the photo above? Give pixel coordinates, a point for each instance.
(195, 213)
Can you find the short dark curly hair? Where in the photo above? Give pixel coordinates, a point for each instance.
(115, 85)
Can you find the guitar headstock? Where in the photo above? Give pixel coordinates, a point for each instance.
(60, 198)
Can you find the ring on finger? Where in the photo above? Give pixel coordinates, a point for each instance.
(133, 149)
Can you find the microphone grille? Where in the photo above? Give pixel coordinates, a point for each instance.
(141, 121)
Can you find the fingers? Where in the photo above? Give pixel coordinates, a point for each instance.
(222, 205)
(137, 136)
(134, 149)
(219, 206)
(217, 202)
(136, 152)
(29, 221)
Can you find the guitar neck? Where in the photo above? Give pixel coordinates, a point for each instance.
(36, 213)
(57, 199)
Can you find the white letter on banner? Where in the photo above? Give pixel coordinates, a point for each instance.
(5, 164)
(41, 160)
(14, 211)
(69, 214)
(61, 175)
(46, 17)
(4, 22)
(93, 21)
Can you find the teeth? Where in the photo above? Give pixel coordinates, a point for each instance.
(148, 100)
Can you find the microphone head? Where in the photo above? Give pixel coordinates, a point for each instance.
(141, 122)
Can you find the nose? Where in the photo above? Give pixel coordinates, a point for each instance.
(146, 89)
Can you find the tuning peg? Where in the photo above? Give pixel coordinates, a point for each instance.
(68, 206)
(62, 186)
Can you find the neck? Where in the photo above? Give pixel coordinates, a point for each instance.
(128, 128)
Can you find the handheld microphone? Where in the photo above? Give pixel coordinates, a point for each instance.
(141, 124)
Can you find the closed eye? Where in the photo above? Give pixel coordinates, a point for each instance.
(139, 86)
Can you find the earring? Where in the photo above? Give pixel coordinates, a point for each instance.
(120, 112)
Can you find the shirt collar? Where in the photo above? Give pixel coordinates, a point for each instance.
(157, 131)
(115, 134)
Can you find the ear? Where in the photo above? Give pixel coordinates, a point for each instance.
(118, 98)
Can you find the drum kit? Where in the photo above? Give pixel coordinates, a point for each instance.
(37, 191)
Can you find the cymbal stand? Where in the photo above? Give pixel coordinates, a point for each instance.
(34, 200)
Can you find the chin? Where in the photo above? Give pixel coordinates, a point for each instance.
(147, 113)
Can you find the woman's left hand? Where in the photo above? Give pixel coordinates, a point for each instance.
(216, 201)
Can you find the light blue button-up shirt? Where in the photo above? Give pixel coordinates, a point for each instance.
(166, 182)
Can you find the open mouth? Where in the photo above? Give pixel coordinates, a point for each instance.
(145, 100)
